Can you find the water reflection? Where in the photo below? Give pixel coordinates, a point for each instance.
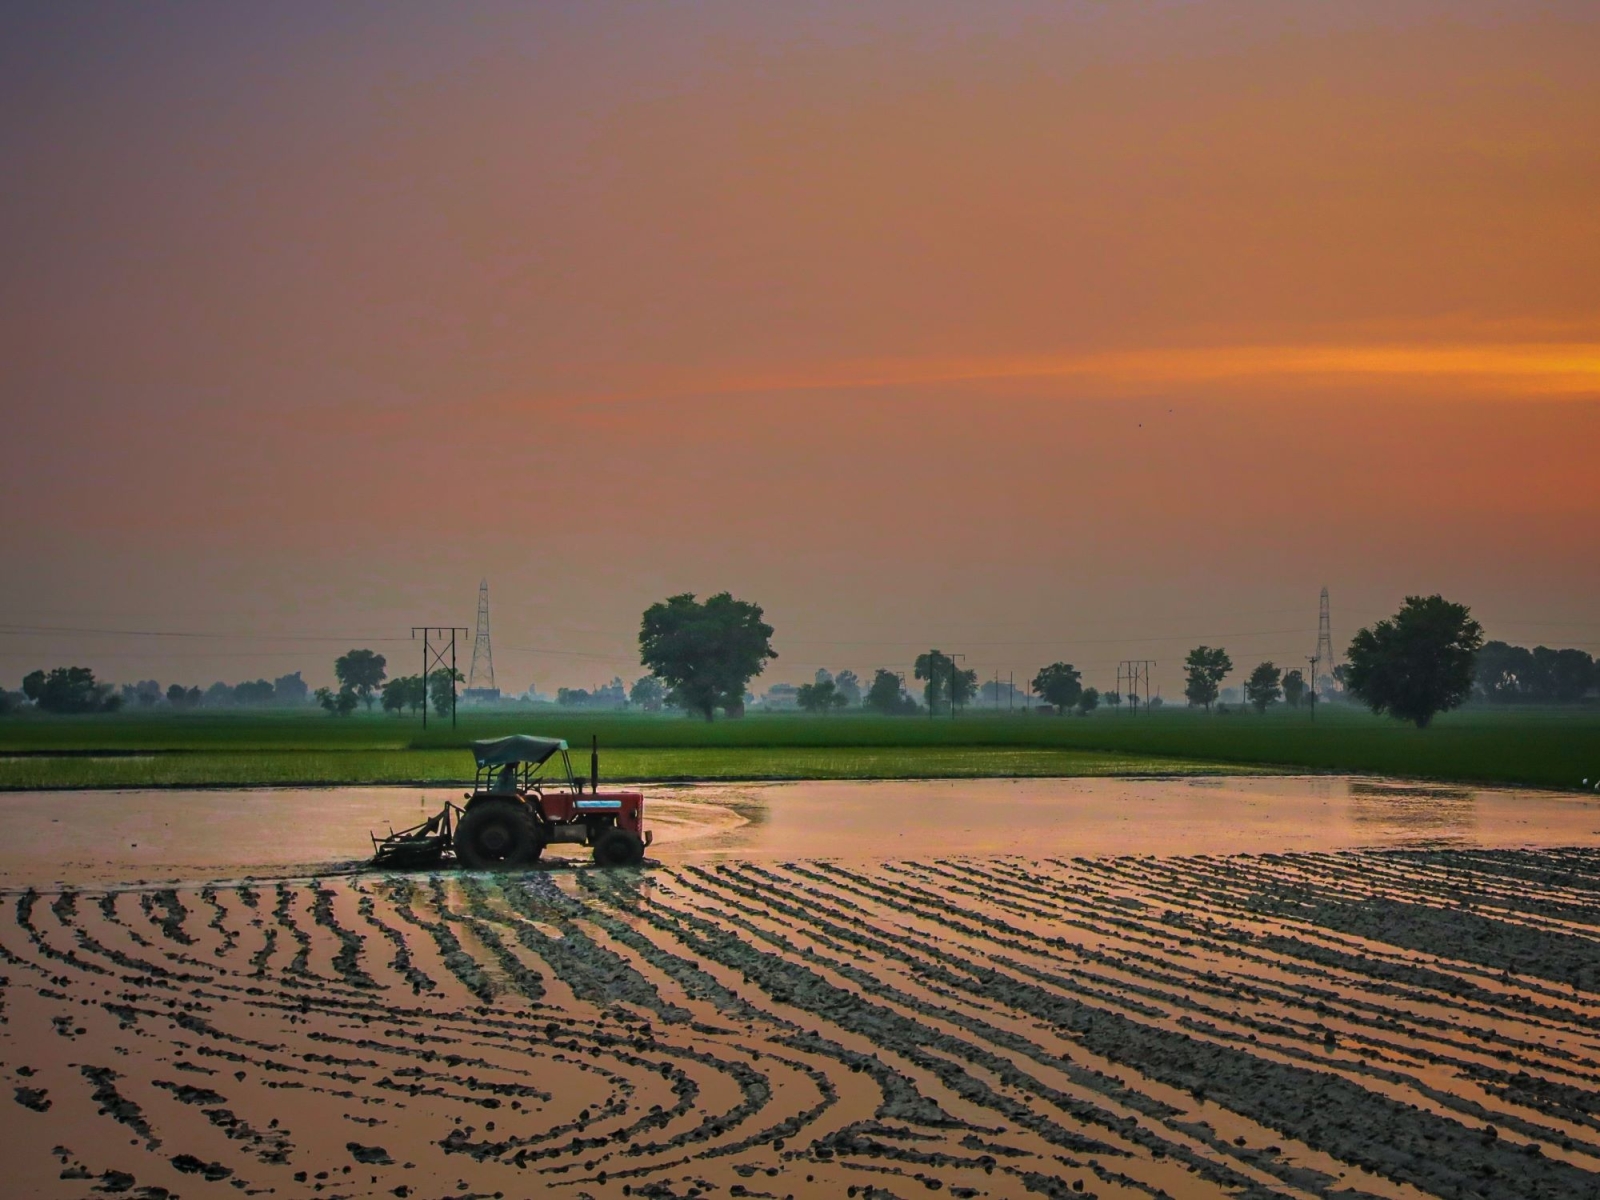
(1404, 812)
(169, 835)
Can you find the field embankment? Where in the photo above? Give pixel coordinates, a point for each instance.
(1535, 748)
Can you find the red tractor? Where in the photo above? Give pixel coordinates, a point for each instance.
(513, 812)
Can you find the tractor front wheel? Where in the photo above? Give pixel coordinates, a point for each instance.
(498, 835)
(618, 848)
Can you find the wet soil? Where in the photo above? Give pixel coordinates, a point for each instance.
(1395, 993)
(1388, 1022)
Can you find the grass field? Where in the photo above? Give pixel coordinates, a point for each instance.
(1529, 747)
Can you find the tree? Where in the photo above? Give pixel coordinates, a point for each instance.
(706, 653)
(849, 685)
(1542, 676)
(1417, 663)
(646, 693)
(69, 690)
(362, 670)
(887, 695)
(1114, 699)
(819, 697)
(1088, 701)
(1294, 688)
(1264, 686)
(338, 704)
(1206, 669)
(945, 683)
(442, 688)
(290, 689)
(397, 694)
(1562, 676)
(181, 697)
(258, 692)
(1060, 684)
(146, 693)
(573, 697)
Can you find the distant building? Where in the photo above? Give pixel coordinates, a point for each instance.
(481, 695)
(781, 696)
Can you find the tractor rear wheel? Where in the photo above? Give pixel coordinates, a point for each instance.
(618, 848)
(498, 835)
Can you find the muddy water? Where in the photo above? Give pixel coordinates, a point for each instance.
(128, 836)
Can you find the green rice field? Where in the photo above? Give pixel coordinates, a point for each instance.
(1522, 747)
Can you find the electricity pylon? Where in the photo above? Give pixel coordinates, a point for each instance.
(1325, 656)
(481, 674)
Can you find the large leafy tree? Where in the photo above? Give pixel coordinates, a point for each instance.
(945, 683)
(646, 693)
(362, 671)
(822, 697)
(1061, 684)
(290, 689)
(1088, 701)
(706, 653)
(1418, 663)
(397, 693)
(337, 704)
(69, 690)
(1542, 676)
(1264, 686)
(1563, 676)
(442, 688)
(1205, 669)
(887, 696)
(1294, 688)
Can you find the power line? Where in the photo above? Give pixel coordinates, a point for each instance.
(29, 630)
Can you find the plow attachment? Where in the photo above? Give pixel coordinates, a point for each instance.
(422, 845)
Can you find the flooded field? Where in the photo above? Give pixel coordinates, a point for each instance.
(49, 838)
(1168, 989)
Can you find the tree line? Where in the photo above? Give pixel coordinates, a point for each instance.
(1428, 658)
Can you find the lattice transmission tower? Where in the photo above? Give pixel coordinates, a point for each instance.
(480, 678)
(1325, 658)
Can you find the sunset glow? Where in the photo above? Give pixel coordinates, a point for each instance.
(1002, 323)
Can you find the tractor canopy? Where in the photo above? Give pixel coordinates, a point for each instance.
(517, 748)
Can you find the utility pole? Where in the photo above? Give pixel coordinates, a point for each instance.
(953, 658)
(1011, 689)
(433, 658)
(1314, 660)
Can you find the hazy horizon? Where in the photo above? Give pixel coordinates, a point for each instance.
(1030, 332)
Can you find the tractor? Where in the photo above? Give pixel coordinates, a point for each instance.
(514, 811)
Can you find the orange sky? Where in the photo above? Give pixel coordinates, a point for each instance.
(1033, 331)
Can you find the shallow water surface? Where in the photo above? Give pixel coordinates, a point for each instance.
(124, 836)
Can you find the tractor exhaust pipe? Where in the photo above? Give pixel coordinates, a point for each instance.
(594, 764)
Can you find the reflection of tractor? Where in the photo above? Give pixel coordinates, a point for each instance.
(513, 813)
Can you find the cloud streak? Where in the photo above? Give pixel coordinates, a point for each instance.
(1507, 370)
